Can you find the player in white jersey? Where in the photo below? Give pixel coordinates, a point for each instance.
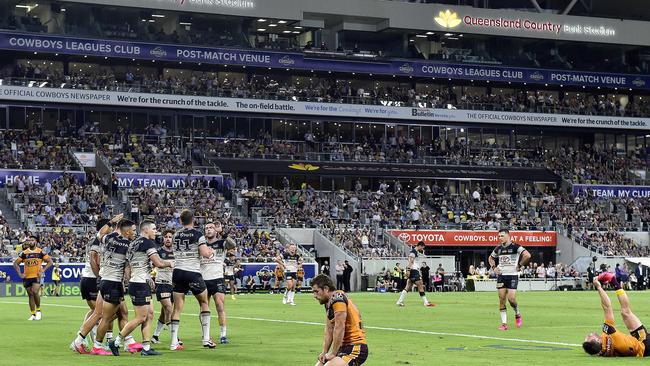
(289, 260)
(141, 255)
(413, 267)
(113, 267)
(189, 246)
(212, 270)
(164, 287)
(505, 260)
(88, 283)
(90, 325)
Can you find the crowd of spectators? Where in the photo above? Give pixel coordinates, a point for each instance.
(611, 243)
(590, 165)
(154, 152)
(393, 149)
(63, 202)
(31, 149)
(547, 271)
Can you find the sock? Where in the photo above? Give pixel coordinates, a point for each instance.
(205, 325)
(175, 324)
(159, 328)
(223, 330)
(620, 292)
(402, 296)
(109, 335)
(614, 282)
(80, 339)
(285, 294)
(424, 298)
(98, 344)
(118, 340)
(504, 316)
(291, 294)
(39, 308)
(129, 340)
(33, 312)
(93, 331)
(517, 313)
(146, 345)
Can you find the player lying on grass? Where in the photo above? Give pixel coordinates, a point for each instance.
(612, 342)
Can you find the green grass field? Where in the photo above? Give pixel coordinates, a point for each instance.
(461, 330)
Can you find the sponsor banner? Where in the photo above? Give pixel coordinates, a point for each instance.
(612, 191)
(16, 289)
(124, 100)
(349, 169)
(71, 272)
(256, 269)
(227, 56)
(471, 238)
(132, 180)
(87, 160)
(37, 177)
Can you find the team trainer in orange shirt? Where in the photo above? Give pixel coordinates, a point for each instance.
(33, 259)
(612, 342)
(344, 343)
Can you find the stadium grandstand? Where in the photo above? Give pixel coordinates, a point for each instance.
(355, 130)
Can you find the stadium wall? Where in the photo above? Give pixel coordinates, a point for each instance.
(325, 248)
(568, 250)
(642, 238)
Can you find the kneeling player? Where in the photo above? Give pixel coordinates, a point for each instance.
(612, 342)
(349, 346)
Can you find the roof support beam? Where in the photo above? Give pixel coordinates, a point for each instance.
(536, 5)
(569, 7)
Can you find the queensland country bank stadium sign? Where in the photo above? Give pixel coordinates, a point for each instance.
(452, 20)
(235, 4)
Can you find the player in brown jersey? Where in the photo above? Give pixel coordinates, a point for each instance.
(344, 343)
(612, 342)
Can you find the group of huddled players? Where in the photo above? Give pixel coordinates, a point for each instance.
(188, 261)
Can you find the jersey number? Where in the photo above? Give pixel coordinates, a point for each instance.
(185, 242)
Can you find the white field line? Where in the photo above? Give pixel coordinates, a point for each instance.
(462, 335)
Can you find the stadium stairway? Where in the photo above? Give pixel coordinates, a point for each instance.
(9, 214)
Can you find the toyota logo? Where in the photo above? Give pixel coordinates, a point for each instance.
(405, 237)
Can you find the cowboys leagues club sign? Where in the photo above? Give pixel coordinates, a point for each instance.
(287, 60)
